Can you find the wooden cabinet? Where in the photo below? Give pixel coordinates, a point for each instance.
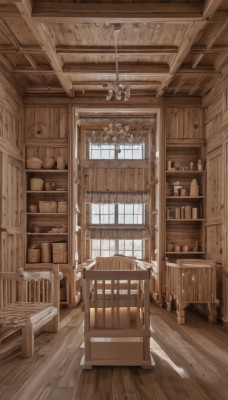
(185, 200)
(47, 202)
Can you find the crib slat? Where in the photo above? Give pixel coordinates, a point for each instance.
(129, 302)
(95, 303)
(112, 303)
(103, 303)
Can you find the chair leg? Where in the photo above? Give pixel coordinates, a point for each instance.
(27, 340)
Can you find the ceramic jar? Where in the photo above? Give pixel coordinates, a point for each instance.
(194, 188)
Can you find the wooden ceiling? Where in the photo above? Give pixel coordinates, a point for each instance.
(67, 47)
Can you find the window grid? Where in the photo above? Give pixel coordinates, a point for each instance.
(112, 151)
(103, 214)
(120, 214)
(109, 247)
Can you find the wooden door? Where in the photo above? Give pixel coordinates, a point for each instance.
(12, 240)
(215, 204)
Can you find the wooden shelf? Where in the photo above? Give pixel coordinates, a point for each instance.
(179, 172)
(185, 220)
(46, 234)
(38, 214)
(44, 171)
(46, 191)
(190, 198)
(185, 252)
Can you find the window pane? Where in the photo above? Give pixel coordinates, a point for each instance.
(129, 219)
(129, 209)
(95, 208)
(99, 151)
(131, 151)
(95, 244)
(95, 219)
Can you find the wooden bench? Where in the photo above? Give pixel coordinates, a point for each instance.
(29, 300)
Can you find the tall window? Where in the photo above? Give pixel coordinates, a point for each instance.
(111, 151)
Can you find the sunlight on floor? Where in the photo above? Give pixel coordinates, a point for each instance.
(156, 349)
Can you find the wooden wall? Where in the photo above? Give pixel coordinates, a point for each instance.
(216, 131)
(11, 179)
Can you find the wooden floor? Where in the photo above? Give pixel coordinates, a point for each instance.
(191, 363)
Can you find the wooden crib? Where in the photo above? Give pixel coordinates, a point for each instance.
(117, 316)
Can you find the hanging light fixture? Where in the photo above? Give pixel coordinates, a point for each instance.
(117, 133)
(119, 89)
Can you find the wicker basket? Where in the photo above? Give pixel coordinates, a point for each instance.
(59, 253)
(33, 255)
(48, 206)
(49, 163)
(46, 252)
(62, 207)
(34, 163)
(36, 184)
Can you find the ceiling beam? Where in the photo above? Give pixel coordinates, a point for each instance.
(9, 11)
(130, 69)
(43, 37)
(214, 35)
(41, 70)
(56, 12)
(126, 82)
(212, 50)
(204, 69)
(10, 49)
(122, 50)
(210, 6)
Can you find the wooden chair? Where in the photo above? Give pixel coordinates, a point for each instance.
(29, 300)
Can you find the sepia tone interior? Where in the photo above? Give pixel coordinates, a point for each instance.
(73, 191)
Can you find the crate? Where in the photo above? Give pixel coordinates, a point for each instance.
(62, 207)
(59, 253)
(48, 206)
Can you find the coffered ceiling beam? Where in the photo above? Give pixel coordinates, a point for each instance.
(43, 37)
(9, 11)
(126, 82)
(56, 12)
(9, 49)
(122, 50)
(212, 50)
(210, 6)
(156, 69)
(216, 32)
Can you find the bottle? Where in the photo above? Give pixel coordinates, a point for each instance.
(194, 188)
(177, 212)
(169, 165)
(199, 165)
(182, 212)
(191, 166)
(185, 248)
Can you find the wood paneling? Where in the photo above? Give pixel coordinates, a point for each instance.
(184, 123)
(46, 122)
(116, 179)
(11, 182)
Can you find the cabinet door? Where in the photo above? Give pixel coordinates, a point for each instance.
(12, 247)
(215, 207)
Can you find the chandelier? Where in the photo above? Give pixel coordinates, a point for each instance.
(116, 133)
(120, 90)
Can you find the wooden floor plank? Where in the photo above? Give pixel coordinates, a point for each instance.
(191, 364)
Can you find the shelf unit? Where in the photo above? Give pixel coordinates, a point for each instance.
(42, 227)
(185, 214)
